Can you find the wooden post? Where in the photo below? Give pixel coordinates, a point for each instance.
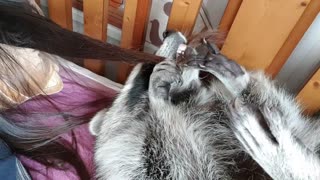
(229, 15)
(95, 25)
(60, 11)
(260, 29)
(295, 36)
(136, 15)
(309, 97)
(183, 15)
(116, 3)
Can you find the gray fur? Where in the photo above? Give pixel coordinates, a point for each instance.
(170, 45)
(204, 136)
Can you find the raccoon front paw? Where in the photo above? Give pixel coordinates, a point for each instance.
(231, 74)
(165, 76)
(262, 134)
(251, 127)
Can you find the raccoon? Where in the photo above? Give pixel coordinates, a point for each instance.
(208, 118)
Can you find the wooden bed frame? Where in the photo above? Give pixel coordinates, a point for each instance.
(247, 22)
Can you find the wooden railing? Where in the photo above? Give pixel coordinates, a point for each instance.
(261, 34)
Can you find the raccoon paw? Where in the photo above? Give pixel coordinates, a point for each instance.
(231, 74)
(165, 76)
(250, 125)
(265, 136)
(253, 132)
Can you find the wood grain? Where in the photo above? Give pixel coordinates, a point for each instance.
(95, 25)
(136, 15)
(60, 11)
(116, 3)
(229, 15)
(294, 38)
(260, 29)
(183, 15)
(115, 14)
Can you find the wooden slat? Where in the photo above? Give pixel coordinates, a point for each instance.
(260, 29)
(60, 11)
(295, 36)
(229, 15)
(95, 26)
(115, 14)
(116, 3)
(183, 15)
(136, 15)
(309, 97)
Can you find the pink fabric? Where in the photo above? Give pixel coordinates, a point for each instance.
(75, 92)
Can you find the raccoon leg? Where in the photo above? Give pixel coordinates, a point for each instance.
(309, 133)
(165, 77)
(268, 140)
(125, 131)
(131, 97)
(276, 139)
(256, 88)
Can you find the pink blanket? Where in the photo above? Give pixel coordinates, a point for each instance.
(75, 92)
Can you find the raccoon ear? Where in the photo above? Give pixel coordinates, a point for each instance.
(96, 122)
